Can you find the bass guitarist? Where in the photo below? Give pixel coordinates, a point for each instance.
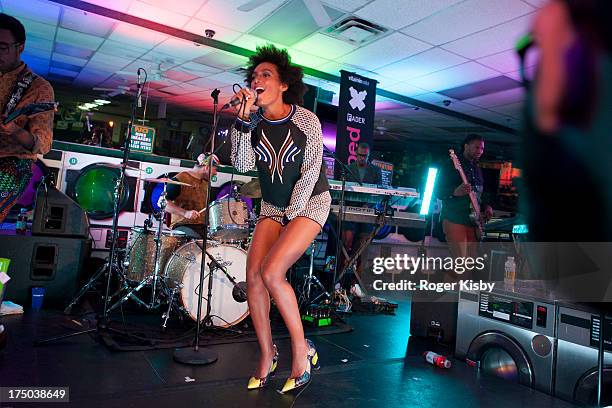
(459, 220)
(22, 139)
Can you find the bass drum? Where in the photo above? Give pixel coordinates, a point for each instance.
(183, 270)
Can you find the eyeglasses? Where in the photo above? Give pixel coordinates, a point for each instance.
(4, 47)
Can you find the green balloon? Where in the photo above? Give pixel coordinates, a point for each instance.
(94, 191)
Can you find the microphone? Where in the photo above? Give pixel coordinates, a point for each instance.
(235, 101)
(239, 292)
(138, 89)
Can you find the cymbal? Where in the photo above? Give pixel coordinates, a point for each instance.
(118, 166)
(167, 181)
(252, 189)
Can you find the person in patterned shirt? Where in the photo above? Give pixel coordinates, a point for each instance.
(24, 138)
(284, 142)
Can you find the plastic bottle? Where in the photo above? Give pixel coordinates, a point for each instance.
(22, 222)
(437, 359)
(509, 270)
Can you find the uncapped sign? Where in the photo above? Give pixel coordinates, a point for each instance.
(142, 140)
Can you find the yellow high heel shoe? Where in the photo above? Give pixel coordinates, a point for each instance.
(256, 383)
(312, 359)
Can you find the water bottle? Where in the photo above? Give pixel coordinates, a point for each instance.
(509, 271)
(437, 359)
(22, 222)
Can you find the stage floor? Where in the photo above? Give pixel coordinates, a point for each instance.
(379, 372)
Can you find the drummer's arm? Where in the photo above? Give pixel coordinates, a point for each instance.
(175, 209)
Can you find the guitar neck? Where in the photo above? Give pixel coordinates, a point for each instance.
(472, 195)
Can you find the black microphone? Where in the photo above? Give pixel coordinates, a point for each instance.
(239, 292)
(138, 89)
(236, 101)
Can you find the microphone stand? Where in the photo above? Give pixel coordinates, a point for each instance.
(112, 264)
(340, 222)
(197, 356)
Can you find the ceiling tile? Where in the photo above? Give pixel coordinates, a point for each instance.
(509, 61)
(484, 87)
(180, 76)
(498, 98)
(491, 41)
(516, 75)
(181, 49)
(79, 39)
(429, 61)
(224, 34)
(87, 23)
(513, 109)
(36, 44)
(455, 76)
(118, 49)
(119, 5)
(206, 84)
(226, 13)
(438, 100)
(477, 15)
(251, 42)
(305, 59)
(186, 7)
(397, 14)
(324, 46)
(406, 89)
(73, 50)
(346, 5)
(385, 51)
(63, 72)
(181, 89)
(158, 14)
(109, 60)
(41, 11)
(67, 59)
(537, 3)
(198, 69)
(37, 29)
(134, 35)
(222, 60)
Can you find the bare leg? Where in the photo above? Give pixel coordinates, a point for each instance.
(293, 241)
(266, 233)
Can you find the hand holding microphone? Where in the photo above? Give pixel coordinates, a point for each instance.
(249, 97)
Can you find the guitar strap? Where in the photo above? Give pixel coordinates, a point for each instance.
(19, 89)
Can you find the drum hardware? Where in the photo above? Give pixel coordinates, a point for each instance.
(166, 180)
(112, 265)
(252, 189)
(310, 281)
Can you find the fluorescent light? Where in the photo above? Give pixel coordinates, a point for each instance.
(429, 187)
(102, 101)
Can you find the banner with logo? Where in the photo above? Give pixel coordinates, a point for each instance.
(355, 115)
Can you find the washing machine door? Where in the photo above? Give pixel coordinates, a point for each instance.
(586, 388)
(500, 355)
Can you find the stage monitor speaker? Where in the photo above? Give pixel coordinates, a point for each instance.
(434, 315)
(54, 263)
(57, 214)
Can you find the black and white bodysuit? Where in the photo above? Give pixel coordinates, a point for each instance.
(288, 155)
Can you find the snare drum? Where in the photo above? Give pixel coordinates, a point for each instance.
(228, 220)
(142, 251)
(183, 270)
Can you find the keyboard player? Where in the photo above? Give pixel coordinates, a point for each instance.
(354, 234)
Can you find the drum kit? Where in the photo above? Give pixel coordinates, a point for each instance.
(166, 263)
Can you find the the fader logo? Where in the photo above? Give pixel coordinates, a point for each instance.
(357, 100)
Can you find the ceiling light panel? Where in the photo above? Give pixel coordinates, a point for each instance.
(466, 18)
(397, 14)
(185, 7)
(385, 51)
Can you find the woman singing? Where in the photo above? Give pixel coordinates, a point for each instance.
(284, 141)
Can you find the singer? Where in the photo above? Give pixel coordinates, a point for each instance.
(284, 142)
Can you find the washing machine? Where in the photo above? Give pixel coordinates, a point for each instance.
(579, 332)
(508, 334)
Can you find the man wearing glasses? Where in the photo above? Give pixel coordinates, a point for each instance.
(24, 138)
(354, 234)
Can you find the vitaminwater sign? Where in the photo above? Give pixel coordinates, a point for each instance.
(355, 115)
(142, 139)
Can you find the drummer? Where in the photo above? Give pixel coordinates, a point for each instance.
(184, 203)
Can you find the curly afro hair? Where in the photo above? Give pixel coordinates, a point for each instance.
(291, 75)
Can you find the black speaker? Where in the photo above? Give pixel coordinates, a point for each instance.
(57, 214)
(434, 315)
(52, 262)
